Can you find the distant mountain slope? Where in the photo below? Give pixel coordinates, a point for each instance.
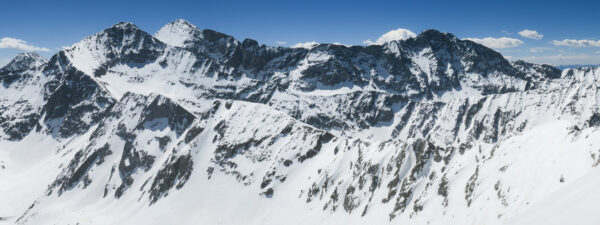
(563, 67)
(24, 61)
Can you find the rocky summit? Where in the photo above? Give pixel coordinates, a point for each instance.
(192, 126)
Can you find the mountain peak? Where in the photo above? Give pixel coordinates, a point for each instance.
(178, 33)
(432, 32)
(25, 61)
(123, 40)
(182, 22)
(124, 26)
(118, 31)
(435, 35)
(432, 38)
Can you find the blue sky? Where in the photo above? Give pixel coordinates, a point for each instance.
(570, 28)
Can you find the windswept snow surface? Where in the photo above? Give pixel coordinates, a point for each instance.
(576, 203)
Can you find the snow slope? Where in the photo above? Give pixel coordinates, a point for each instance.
(575, 203)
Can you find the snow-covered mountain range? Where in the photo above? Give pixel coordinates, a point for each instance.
(191, 126)
(562, 67)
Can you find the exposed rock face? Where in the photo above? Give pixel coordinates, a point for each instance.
(76, 103)
(173, 174)
(429, 129)
(164, 112)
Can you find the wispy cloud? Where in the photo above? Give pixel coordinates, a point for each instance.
(577, 43)
(14, 43)
(307, 45)
(506, 32)
(393, 35)
(539, 49)
(281, 42)
(565, 59)
(531, 34)
(502, 42)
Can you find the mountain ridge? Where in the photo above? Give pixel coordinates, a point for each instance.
(432, 129)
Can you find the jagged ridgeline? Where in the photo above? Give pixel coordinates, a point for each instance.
(192, 126)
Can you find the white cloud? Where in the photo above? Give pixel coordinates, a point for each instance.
(539, 49)
(307, 45)
(562, 59)
(577, 43)
(503, 42)
(506, 32)
(393, 35)
(338, 43)
(531, 34)
(20, 44)
(281, 42)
